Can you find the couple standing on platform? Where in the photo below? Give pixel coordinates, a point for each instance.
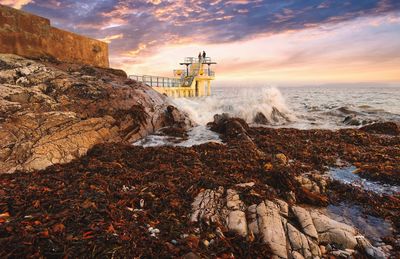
(202, 56)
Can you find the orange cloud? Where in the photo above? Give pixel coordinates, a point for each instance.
(110, 38)
(15, 3)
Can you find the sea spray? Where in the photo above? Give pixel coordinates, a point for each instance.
(243, 103)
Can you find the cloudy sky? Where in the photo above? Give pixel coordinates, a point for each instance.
(266, 41)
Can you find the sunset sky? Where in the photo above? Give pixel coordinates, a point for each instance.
(269, 42)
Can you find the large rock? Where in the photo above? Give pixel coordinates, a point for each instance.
(333, 232)
(305, 220)
(271, 229)
(52, 113)
(286, 236)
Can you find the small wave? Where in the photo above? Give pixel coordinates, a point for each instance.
(348, 111)
(264, 106)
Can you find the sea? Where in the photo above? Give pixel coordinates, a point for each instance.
(308, 107)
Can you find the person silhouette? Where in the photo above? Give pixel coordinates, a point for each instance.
(204, 55)
(199, 56)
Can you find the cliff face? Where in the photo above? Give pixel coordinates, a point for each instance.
(53, 113)
(32, 36)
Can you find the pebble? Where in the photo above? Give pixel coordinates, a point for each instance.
(206, 243)
(244, 185)
(154, 230)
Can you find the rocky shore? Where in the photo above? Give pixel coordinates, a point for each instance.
(262, 193)
(52, 112)
(73, 185)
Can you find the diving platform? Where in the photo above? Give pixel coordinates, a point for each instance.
(194, 80)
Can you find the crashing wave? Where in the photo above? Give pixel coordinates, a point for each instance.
(261, 106)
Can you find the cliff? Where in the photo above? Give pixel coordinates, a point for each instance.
(52, 113)
(32, 36)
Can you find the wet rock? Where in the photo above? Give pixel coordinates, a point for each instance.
(260, 118)
(278, 116)
(352, 121)
(389, 128)
(369, 250)
(235, 131)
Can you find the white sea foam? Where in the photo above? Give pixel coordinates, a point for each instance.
(196, 136)
(295, 107)
(242, 103)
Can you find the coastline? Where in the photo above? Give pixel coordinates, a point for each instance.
(123, 200)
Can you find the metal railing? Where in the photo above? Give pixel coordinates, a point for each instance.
(158, 81)
(197, 60)
(182, 73)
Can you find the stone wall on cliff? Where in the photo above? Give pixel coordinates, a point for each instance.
(32, 36)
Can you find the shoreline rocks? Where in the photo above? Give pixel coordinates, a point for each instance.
(54, 112)
(270, 220)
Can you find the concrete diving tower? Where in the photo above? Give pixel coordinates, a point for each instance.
(192, 81)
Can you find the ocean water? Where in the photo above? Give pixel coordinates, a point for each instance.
(299, 107)
(322, 107)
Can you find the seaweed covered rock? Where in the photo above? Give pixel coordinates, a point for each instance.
(54, 112)
(389, 128)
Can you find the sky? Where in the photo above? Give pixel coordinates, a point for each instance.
(271, 42)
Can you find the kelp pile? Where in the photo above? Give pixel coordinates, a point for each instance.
(129, 201)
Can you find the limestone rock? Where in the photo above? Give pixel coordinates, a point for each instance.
(369, 250)
(309, 234)
(53, 113)
(233, 201)
(236, 221)
(305, 220)
(283, 207)
(271, 229)
(331, 231)
(298, 241)
(205, 206)
(252, 222)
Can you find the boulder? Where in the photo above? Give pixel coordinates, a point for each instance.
(333, 232)
(271, 229)
(305, 220)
